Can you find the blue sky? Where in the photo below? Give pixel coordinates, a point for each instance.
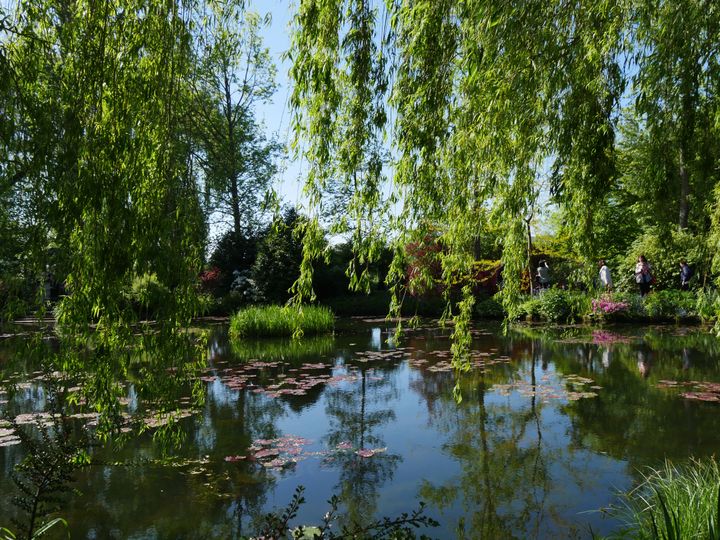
(276, 114)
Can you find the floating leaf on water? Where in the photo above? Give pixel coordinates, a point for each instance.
(701, 396)
(369, 452)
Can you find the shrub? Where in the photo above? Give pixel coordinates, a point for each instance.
(149, 296)
(210, 279)
(531, 308)
(234, 252)
(554, 305)
(635, 303)
(277, 321)
(606, 306)
(670, 304)
(277, 265)
(707, 304)
(489, 308)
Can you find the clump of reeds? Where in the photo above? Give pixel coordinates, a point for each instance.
(281, 321)
(676, 502)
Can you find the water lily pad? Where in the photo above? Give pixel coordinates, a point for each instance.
(369, 452)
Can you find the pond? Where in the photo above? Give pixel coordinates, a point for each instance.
(551, 423)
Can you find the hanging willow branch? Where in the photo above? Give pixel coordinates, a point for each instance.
(493, 104)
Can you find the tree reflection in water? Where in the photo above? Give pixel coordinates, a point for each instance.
(359, 415)
(504, 474)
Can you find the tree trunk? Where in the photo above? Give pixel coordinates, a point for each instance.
(529, 252)
(232, 165)
(684, 191)
(687, 130)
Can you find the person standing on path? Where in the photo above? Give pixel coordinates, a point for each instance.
(643, 277)
(543, 275)
(685, 275)
(605, 277)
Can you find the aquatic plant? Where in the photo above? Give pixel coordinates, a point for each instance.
(44, 474)
(674, 502)
(279, 321)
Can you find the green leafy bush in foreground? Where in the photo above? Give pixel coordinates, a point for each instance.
(675, 502)
(279, 321)
(556, 305)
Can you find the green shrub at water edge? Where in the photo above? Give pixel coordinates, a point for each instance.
(557, 305)
(671, 304)
(707, 304)
(554, 305)
(149, 296)
(489, 308)
(675, 502)
(279, 321)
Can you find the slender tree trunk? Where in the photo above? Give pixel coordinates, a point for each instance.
(684, 190)
(529, 251)
(232, 165)
(687, 130)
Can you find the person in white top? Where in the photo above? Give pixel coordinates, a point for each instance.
(605, 277)
(543, 275)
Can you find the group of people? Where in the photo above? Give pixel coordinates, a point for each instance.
(643, 275)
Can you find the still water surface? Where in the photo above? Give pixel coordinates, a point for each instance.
(552, 423)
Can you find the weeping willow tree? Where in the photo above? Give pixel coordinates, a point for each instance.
(489, 100)
(98, 168)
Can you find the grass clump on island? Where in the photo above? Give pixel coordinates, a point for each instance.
(675, 502)
(281, 321)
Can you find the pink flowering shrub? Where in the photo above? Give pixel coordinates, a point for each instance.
(210, 279)
(605, 306)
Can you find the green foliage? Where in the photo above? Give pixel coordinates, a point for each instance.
(675, 502)
(707, 305)
(556, 305)
(99, 166)
(150, 297)
(44, 474)
(484, 97)
(636, 306)
(279, 258)
(531, 309)
(277, 321)
(233, 73)
(489, 308)
(234, 252)
(7, 534)
(671, 304)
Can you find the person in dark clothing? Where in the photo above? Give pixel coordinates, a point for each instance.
(643, 275)
(685, 275)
